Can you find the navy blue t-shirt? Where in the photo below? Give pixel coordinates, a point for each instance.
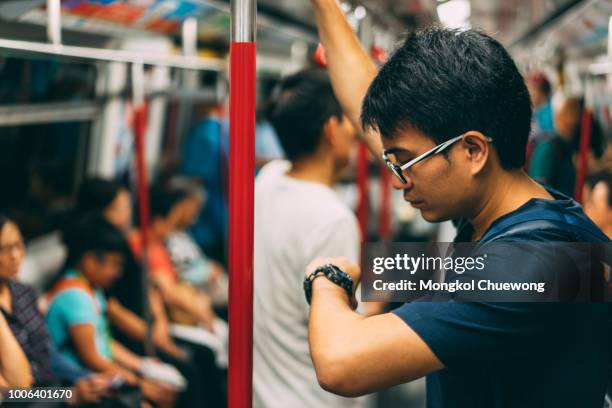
(519, 355)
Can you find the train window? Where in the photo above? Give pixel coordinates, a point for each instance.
(198, 92)
(43, 81)
(46, 115)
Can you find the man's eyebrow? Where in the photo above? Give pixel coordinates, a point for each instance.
(395, 150)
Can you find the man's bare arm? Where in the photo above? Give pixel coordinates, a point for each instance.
(354, 355)
(350, 67)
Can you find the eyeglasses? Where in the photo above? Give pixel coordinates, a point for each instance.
(398, 170)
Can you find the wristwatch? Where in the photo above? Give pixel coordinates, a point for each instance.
(334, 274)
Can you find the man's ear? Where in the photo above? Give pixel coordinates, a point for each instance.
(599, 196)
(477, 150)
(330, 130)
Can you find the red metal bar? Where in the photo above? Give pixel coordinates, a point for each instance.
(142, 179)
(142, 182)
(241, 204)
(363, 175)
(585, 142)
(384, 215)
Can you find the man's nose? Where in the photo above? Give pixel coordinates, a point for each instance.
(397, 184)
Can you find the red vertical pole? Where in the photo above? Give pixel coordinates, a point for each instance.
(380, 56)
(363, 206)
(142, 181)
(384, 216)
(241, 204)
(585, 141)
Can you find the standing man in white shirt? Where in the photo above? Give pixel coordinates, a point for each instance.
(298, 217)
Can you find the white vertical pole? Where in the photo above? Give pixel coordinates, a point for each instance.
(54, 22)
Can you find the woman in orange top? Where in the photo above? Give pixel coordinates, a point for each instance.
(182, 299)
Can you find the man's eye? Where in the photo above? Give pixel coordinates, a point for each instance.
(403, 161)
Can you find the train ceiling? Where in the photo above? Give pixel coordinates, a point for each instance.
(521, 24)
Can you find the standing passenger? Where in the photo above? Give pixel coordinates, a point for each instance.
(205, 156)
(453, 114)
(552, 162)
(297, 217)
(597, 195)
(540, 92)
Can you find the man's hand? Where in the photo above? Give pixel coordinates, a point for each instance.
(207, 314)
(163, 340)
(125, 374)
(161, 394)
(345, 265)
(92, 388)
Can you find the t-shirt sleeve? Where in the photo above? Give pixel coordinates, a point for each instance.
(474, 334)
(159, 260)
(160, 263)
(338, 238)
(76, 307)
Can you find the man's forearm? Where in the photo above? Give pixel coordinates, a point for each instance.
(331, 324)
(354, 355)
(125, 357)
(350, 67)
(126, 321)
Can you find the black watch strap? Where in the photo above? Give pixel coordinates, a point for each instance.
(334, 274)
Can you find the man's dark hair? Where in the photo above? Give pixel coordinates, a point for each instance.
(305, 102)
(164, 199)
(92, 233)
(4, 220)
(445, 82)
(95, 194)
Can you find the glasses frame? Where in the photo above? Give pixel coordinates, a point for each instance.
(398, 170)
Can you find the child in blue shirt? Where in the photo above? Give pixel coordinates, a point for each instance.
(76, 308)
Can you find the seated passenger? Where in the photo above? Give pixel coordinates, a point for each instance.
(76, 313)
(126, 309)
(22, 328)
(185, 303)
(126, 296)
(19, 305)
(15, 370)
(190, 262)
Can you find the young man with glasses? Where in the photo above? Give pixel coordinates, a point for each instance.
(452, 113)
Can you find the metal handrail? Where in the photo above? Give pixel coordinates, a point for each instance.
(113, 55)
